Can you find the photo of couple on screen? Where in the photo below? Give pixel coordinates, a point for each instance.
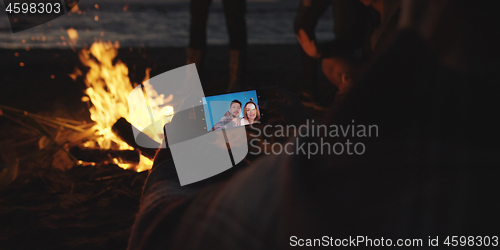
(231, 110)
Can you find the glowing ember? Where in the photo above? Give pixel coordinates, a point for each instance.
(74, 8)
(73, 36)
(108, 88)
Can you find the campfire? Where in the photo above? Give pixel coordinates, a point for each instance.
(108, 139)
(80, 175)
(108, 89)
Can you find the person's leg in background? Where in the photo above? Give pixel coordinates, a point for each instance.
(235, 11)
(308, 13)
(198, 32)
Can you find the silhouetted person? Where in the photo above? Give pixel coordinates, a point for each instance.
(431, 170)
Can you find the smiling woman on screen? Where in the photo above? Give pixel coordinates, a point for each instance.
(250, 113)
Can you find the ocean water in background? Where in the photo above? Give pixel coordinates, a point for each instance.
(158, 24)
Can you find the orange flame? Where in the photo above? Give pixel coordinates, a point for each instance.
(108, 88)
(73, 36)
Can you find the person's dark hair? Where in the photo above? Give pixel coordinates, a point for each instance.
(257, 117)
(235, 101)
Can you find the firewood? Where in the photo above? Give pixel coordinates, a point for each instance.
(123, 129)
(101, 155)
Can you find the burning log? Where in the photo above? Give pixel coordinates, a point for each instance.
(102, 155)
(123, 129)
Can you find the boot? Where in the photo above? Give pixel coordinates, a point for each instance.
(195, 56)
(236, 70)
